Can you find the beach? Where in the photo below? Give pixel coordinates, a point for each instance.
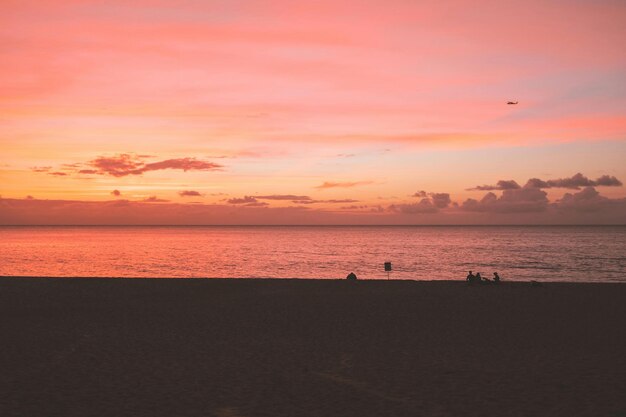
(288, 347)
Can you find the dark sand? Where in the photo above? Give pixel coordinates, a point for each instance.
(174, 347)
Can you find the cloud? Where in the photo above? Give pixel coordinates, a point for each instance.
(154, 199)
(185, 164)
(608, 181)
(353, 207)
(440, 200)
(127, 164)
(116, 193)
(536, 183)
(574, 182)
(588, 200)
(424, 206)
(327, 184)
(296, 199)
(189, 193)
(58, 173)
(512, 201)
(338, 201)
(282, 197)
(501, 185)
(245, 200)
(40, 169)
(87, 171)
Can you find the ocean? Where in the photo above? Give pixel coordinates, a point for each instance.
(517, 253)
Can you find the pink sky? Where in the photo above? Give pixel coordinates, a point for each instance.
(193, 111)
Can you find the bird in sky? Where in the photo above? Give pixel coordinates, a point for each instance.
(512, 102)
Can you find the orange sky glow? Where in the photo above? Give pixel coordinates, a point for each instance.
(325, 112)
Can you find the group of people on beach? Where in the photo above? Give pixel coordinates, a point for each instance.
(471, 278)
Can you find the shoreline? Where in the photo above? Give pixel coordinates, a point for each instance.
(407, 280)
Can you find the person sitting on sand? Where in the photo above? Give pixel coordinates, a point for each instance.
(470, 277)
(479, 279)
(496, 277)
(351, 276)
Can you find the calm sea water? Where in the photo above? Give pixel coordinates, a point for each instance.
(426, 253)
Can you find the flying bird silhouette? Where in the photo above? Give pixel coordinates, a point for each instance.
(512, 102)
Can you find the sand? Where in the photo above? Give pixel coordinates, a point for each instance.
(193, 347)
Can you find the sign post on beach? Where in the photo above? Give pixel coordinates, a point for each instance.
(388, 268)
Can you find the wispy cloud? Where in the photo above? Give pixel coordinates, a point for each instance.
(329, 184)
(127, 164)
(282, 197)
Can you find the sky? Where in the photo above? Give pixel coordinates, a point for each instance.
(312, 112)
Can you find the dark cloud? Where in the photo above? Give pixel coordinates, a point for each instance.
(424, 206)
(575, 182)
(536, 183)
(88, 171)
(40, 169)
(440, 200)
(501, 185)
(327, 184)
(116, 193)
(154, 199)
(436, 200)
(58, 173)
(588, 200)
(512, 201)
(608, 181)
(126, 164)
(189, 193)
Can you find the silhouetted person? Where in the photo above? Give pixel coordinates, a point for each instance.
(470, 277)
(496, 277)
(351, 276)
(479, 279)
